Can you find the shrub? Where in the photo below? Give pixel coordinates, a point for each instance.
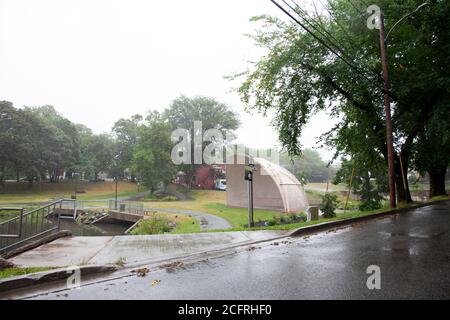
(370, 205)
(272, 223)
(302, 216)
(154, 225)
(328, 206)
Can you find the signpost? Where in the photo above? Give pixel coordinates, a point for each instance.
(249, 169)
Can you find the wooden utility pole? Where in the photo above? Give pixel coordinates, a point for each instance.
(387, 109)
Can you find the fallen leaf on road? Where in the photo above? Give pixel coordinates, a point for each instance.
(173, 265)
(156, 282)
(141, 272)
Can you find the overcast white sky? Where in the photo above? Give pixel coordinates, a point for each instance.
(97, 61)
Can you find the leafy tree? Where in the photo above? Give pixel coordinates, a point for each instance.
(13, 142)
(26, 143)
(85, 165)
(101, 153)
(299, 77)
(126, 132)
(369, 184)
(184, 111)
(433, 152)
(61, 136)
(152, 161)
(308, 167)
(328, 205)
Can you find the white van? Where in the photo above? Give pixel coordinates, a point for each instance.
(221, 184)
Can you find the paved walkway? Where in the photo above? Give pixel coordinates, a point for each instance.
(132, 249)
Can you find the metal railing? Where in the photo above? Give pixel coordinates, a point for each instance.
(30, 225)
(92, 204)
(127, 206)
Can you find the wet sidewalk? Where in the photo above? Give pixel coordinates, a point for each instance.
(133, 249)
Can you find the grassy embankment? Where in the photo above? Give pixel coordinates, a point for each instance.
(17, 271)
(17, 193)
(158, 223)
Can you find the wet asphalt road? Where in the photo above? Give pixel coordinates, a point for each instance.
(412, 250)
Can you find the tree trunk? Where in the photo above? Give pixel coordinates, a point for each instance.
(189, 182)
(2, 179)
(437, 181)
(403, 195)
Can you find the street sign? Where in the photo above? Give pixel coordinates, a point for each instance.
(248, 176)
(249, 172)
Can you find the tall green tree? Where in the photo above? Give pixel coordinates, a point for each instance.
(151, 160)
(100, 150)
(212, 114)
(432, 151)
(368, 183)
(126, 133)
(299, 76)
(62, 150)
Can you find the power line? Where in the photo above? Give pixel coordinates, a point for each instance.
(350, 40)
(378, 76)
(320, 40)
(316, 26)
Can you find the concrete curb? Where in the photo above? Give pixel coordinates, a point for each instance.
(33, 279)
(349, 221)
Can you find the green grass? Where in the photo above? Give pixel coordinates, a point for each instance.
(157, 224)
(238, 216)
(439, 198)
(107, 195)
(46, 192)
(12, 272)
(339, 216)
(187, 226)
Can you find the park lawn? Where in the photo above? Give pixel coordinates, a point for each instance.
(16, 271)
(213, 202)
(185, 223)
(187, 226)
(238, 217)
(107, 195)
(339, 216)
(47, 192)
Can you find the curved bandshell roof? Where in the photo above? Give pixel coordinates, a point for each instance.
(275, 188)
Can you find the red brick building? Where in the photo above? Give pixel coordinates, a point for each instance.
(205, 177)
